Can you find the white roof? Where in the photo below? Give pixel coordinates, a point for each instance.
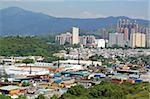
(9, 87)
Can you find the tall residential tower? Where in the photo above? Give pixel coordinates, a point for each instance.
(75, 35)
(137, 40)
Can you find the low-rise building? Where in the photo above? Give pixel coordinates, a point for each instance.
(101, 43)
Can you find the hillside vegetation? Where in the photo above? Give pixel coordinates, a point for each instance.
(25, 46)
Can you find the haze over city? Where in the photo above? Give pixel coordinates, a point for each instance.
(84, 8)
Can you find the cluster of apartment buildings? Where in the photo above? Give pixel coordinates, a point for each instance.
(71, 38)
(129, 34)
(136, 40)
(74, 38)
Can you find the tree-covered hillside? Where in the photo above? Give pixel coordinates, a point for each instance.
(23, 46)
(17, 21)
(107, 90)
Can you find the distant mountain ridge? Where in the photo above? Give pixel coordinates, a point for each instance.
(17, 21)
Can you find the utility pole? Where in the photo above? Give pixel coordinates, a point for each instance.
(58, 63)
(78, 57)
(30, 69)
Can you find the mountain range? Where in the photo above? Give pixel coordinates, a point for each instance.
(17, 21)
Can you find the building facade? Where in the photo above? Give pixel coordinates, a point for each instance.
(83, 40)
(101, 43)
(71, 38)
(137, 40)
(88, 40)
(148, 37)
(64, 38)
(75, 35)
(116, 39)
(127, 27)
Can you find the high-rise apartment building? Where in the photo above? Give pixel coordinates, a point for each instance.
(116, 39)
(63, 38)
(60, 39)
(127, 27)
(126, 34)
(137, 40)
(68, 37)
(71, 38)
(83, 40)
(104, 33)
(88, 40)
(148, 37)
(75, 35)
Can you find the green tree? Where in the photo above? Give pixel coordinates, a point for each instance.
(24, 46)
(107, 91)
(28, 61)
(2, 96)
(116, 46)
(22, 97)
(41, 96)
(6, 80)
(77, 90)
(68, 96)
(50, 59)
(54, 97)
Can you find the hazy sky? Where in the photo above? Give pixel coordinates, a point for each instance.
(84, 8)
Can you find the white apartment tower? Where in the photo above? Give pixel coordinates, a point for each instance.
(75, 35)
